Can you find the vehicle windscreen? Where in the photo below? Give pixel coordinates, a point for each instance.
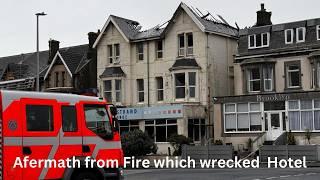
(97, 120)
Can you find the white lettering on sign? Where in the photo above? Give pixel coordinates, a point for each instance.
(275, 97)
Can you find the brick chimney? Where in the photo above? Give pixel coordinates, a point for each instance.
(92, 36)
(53, 49)
(263, 17)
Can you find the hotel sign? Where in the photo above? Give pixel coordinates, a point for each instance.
(273, 97)
(155, 112)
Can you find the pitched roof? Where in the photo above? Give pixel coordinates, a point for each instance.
(27, 61)
(131, 30)
(73, 56)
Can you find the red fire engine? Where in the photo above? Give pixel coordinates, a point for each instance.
(57, 126)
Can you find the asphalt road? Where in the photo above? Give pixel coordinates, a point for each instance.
(223, 174)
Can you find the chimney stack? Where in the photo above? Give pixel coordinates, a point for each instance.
(53, 49)
(92, 36)
(263, 17)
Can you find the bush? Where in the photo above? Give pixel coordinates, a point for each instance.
(291, 139)
(137, 143)
(218, 142)
(177, 141)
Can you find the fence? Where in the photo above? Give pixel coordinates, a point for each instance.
(311, 152)
(207, 152)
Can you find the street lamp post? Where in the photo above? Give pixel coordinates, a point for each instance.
(38, 58)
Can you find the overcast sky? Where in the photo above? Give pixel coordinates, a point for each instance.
(69, 21)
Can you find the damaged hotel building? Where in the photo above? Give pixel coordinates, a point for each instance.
(164, 77)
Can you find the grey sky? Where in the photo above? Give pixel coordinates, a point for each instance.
(69, 21)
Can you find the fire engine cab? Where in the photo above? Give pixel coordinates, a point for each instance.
(55, 126)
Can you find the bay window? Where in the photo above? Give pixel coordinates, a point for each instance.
(242, 117)
(113, 90)
(185, 85)
(304, 115)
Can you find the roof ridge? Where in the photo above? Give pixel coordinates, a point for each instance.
(124, 18)
(282, 23)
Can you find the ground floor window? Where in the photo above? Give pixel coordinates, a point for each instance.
(196, 129)
(128, 125)
(161, 129)
(242, 117)
(304, 115)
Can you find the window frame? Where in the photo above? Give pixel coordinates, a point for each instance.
(140, 91)
(201, 124)
(263, 79)
(304, 34)
(166, 124)
(286, 36)
(299, 110)
(63, 78)
(56, 79)
(159, 51)
(140, 46)
(114, 53)
(248, 112)
(158, 89)
(287, 82)
(45, 102)
(186, 86)
(76, 118)
(184, 51)
(254, 45)
(113, 90)
(130, 125)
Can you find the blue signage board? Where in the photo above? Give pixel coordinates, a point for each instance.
(154, 112)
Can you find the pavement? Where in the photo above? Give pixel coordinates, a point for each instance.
(223, 174)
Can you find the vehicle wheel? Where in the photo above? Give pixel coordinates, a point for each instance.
(87, 175)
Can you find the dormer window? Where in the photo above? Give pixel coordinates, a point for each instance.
(288, 36)
(318, 32)
(300, 34)
(258, 40)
